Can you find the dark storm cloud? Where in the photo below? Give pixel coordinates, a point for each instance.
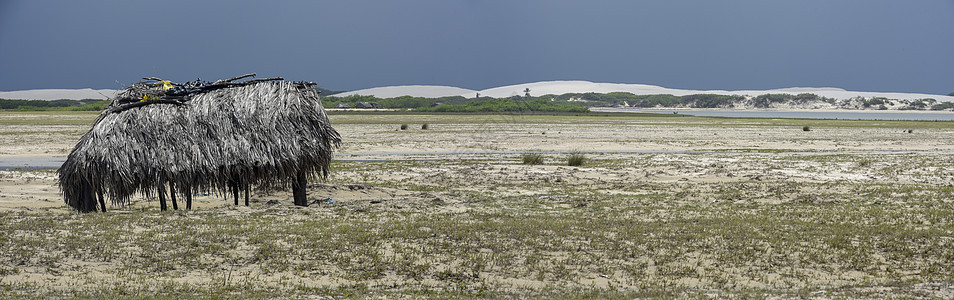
(858, 45)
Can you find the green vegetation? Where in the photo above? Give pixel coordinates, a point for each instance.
(919, 104)
(54, 105)
(880, 101)
(425, 126)
(532, 158)
(693, 101)
(506, 105)
(630, 99)
(403, 102)
(615, 99)
(657, 100)
(710, 101)
(575, 159)
(403, 126)
(943, 106)
(575, 102)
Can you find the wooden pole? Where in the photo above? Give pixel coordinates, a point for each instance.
(246, 194)
(102, 202)
(298, 189)
(162, 197)
(235, 192)
(188, 195)
(172, 196)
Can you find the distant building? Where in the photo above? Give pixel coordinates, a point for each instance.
(343, 105)
(364, 105)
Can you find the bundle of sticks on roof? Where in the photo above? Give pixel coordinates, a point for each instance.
(157, 91)
(197, 137)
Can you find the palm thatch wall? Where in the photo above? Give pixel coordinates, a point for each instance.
(264, 133)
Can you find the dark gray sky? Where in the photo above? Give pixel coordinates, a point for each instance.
(869, 45)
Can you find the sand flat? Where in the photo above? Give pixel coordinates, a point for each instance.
(728, 207)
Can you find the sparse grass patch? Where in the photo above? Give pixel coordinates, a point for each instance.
(459, 252)
(575, 159)
(532, 158)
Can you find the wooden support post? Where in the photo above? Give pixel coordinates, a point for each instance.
(246, 194)
(102, 202)
(188, 195)
(234, 186)
(298, 189)
(172, 196)
(162, 197)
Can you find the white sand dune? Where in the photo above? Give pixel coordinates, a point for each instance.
(426, 91)
(536, 89)
(563, 87)
(57, 94)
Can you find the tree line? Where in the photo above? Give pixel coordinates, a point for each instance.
(65, 104)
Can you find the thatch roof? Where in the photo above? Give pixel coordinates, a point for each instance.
(260, 133)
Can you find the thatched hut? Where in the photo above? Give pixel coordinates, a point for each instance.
(198, 137)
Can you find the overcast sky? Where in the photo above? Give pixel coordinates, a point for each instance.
(866, 45)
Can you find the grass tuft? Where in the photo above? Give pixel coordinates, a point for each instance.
(403, 126)
(575, 159)
(532, 159)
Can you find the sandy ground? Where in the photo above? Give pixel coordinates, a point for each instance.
(460, 160)
(668, 149)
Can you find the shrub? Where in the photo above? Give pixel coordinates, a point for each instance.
(506, 105)
(806, 128)
(875, 101)
(765, 101)
(403, 126)
(916, 105)
(575, 159)
(532, 159)
(656, 100)
(424, 127)
(943, 106)
(711, 100)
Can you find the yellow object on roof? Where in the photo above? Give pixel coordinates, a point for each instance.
(166, 85)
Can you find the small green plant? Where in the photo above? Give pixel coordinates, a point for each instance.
(425, 126)
(910, 130)
(403, 126)
(806, 128)
(532, 159)
(865, 163)
(575, 159)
